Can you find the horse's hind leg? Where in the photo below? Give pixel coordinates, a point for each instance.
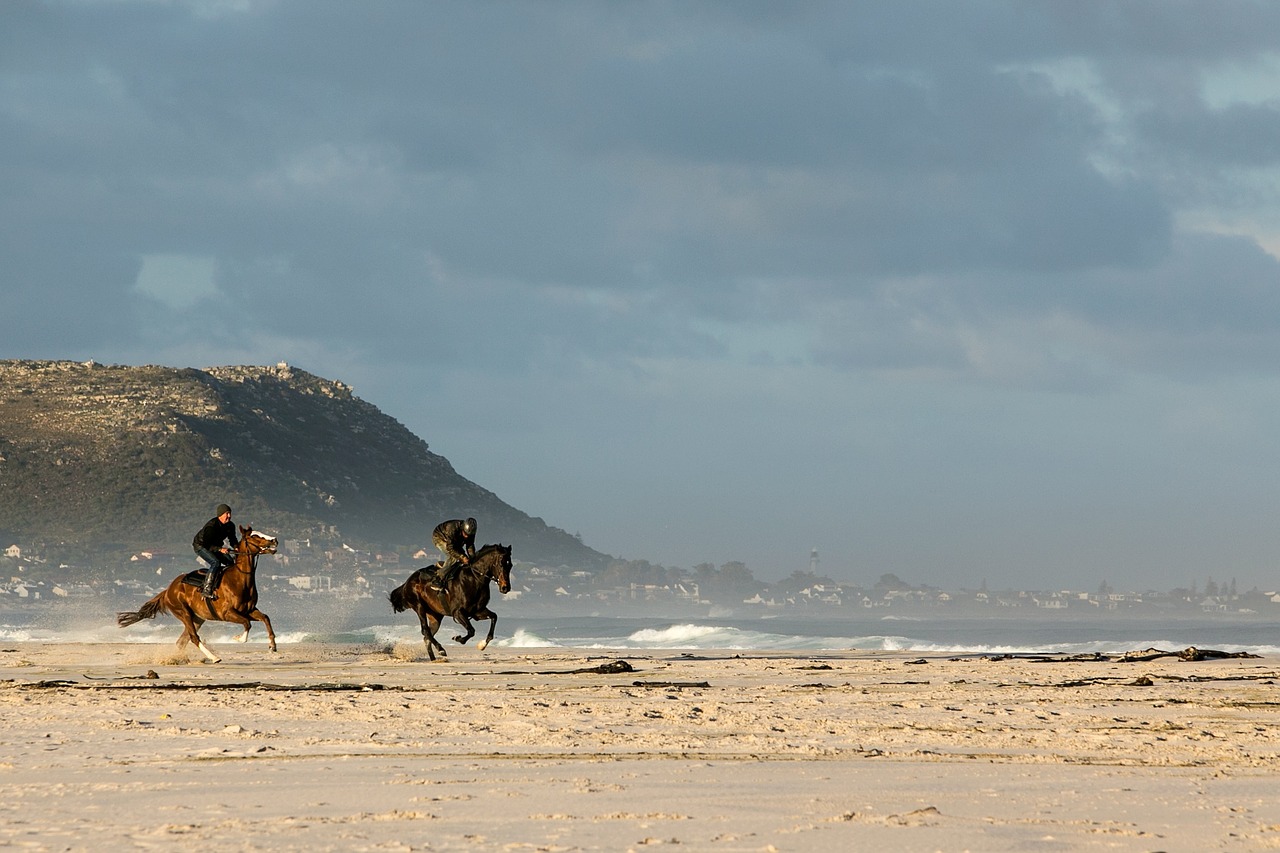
(439, 648)
(431, 624)
(192, 625)
(430, 642)
(266, 621)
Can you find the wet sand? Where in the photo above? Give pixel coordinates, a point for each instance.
(345, 747)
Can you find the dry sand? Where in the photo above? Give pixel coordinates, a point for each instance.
(328, 747)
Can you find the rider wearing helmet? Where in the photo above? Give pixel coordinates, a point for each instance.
(456, 539)
(209, 546)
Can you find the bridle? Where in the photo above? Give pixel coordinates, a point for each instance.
(490, 572)
(252, 551)
(484, 574)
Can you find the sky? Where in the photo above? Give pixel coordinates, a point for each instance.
(981, 292)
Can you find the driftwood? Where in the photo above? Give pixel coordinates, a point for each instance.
(1191, 653)
(1048, 658)
(613, 667)
(1152, 680)
(242, 685)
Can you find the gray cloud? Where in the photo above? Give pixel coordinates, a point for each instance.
(689, 235)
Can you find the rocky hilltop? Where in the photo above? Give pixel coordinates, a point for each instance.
(98, 458)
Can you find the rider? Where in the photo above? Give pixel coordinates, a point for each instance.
(208, 545)
(456, 539)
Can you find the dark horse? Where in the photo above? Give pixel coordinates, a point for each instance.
(237, 599)
(465, 598)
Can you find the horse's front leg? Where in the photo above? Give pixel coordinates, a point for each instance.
(266, 622)
(493, 625)
(243, 622)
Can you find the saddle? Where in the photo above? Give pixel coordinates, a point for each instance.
(195, 577)
(431, 571)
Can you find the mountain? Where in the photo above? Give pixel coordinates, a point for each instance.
(97, 458)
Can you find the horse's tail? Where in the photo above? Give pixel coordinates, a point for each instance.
(146, 611)
(399, 597)
(396, 597)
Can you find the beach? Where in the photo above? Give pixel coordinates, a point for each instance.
(370, 747)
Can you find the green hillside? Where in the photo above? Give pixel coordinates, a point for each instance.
(101, 458)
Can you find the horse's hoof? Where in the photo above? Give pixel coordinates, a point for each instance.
(482, 645)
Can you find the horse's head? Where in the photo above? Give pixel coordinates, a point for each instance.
(504, 570)
(498, 565)
(256, 543)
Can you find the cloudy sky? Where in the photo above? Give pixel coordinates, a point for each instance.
(960, 291)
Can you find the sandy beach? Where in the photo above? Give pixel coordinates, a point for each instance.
(351, 747)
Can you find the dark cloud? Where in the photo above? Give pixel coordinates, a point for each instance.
(667, 226)
(1239, 136)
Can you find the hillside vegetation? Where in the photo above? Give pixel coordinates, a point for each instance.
(98, 458)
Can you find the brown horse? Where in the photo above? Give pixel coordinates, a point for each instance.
(237, 599)
(465, 598)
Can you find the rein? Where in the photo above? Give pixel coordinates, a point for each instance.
(482, 575)
(253, 562)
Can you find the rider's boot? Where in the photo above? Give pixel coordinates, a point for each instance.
(210, 584)
(440, 579)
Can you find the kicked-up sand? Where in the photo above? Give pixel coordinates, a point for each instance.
(345, 747)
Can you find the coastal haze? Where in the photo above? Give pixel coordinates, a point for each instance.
(967, 293)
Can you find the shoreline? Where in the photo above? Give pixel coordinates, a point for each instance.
(340, 747)
(520, 631)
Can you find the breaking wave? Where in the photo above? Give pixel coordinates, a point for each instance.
(719, 633)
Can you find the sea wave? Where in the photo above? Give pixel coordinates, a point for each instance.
(974, 637)
(525, 639)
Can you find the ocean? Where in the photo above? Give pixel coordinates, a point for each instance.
(323, 619)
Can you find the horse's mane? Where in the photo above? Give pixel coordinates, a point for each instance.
(488, 549)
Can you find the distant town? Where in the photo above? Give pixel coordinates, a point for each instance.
(303, 568)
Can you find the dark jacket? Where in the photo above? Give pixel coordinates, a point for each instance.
(449, 533)
(213, 534)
